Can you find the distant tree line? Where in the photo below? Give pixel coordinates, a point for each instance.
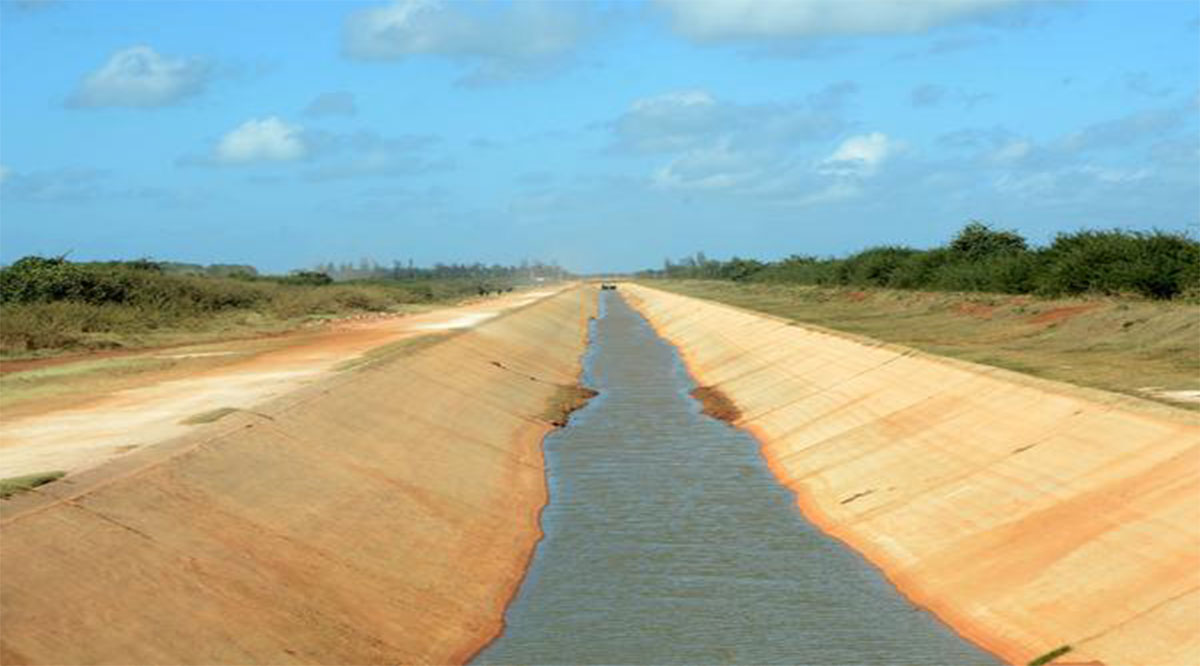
(1154, 264)
(369, 269)
(51, 303)
(35, 279)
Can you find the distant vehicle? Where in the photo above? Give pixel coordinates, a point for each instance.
(606, 285)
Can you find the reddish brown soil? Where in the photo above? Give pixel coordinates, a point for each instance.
(716, 404)
(1059, 315)
(975, 310)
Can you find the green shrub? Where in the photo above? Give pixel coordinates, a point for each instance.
(872, 267)
(19, 484)
(798, 269)
(1156, 264)
(1050, 656)
(978, 241)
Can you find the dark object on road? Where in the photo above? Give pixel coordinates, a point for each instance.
(608, 286)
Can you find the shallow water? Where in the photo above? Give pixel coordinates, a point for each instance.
(669, 541)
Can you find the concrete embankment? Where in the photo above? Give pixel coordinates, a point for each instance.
(382, 516)
(1026, 514)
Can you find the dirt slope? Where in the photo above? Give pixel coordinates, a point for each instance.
(379, 516)
(70, 419)
(1026, 514)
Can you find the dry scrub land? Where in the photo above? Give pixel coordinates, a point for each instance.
(1146, 348)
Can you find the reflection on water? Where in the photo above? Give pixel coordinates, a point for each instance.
(668, 541)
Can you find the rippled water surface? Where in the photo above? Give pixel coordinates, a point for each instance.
(668, 541)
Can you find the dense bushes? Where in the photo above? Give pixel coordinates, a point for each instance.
(141, 283)
(52, 303)
(1151, 264)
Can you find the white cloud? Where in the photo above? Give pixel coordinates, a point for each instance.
(1127, 130)
(748, 149)
(689, 119)
(712, 168)
(859, 155)
(139, 76)
(261, 140)
(721, 20)
(670, 121)
(504, 43)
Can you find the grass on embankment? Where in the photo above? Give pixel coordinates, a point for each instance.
(1050, 656)
(20, 484)
(1124, 345)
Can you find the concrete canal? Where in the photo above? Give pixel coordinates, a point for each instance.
(668, 541)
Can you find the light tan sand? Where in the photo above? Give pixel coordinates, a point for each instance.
(110, 425)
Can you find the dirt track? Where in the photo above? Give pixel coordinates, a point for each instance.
(1027, 514)
(47, 436)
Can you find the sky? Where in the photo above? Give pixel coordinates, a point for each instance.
(605, 136)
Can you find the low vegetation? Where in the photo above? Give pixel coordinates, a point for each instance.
(20, 484)
(1050, 656)
(1155, 265)
(399, 349)
(48, 305)
(211, 416)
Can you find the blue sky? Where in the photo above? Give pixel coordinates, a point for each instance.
(605, 136)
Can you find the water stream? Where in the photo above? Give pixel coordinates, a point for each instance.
(669, 541)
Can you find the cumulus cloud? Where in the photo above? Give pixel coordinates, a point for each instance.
(140, 77)
(859, 155)
(329, 155)
(761, 150)
(1129, 164)
(731, 20)
(340, 103)
(709, 168)
(1126, 130)
(502, 42)
(261, 140)
(691, 119)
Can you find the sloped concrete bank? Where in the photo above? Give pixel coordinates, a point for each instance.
(1026, 514)
(385, 516)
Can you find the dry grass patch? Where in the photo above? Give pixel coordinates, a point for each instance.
(1117, 344)
(20, 484)
(395, 350)
(210, 416)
